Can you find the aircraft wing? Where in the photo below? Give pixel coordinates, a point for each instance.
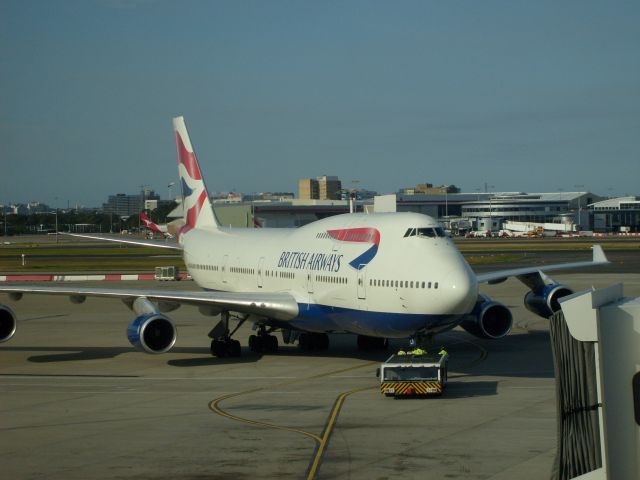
(131, 241)
(276, 305)
(599, 258)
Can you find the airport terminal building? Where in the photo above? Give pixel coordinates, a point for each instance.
(616, 215)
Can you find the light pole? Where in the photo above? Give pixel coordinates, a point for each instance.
(486, 188)
(170, 187)
(56, 200)
(446, 201)
(579, 206)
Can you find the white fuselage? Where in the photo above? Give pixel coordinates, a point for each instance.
(389, 275)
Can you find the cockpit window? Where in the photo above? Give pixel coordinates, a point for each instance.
(425, 232)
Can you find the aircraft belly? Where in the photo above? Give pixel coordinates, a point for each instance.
(324, 318)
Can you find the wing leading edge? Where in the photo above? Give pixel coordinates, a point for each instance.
(279, 306)
(599, 258)
(169, 244)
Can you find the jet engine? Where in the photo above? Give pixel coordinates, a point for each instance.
(488, 319)
(7, 323)
(152, 333)
(544, 301)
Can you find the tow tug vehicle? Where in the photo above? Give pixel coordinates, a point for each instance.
(414, 374)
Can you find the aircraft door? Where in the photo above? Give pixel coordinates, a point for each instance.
(225, 266)
(260, 271)
(309, 280)
(362, 282)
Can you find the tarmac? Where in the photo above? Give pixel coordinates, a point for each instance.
(78, 402)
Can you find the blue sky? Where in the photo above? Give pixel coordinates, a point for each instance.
(528, 96)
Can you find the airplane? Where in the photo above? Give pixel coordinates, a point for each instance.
(154, 227)
(377, 276)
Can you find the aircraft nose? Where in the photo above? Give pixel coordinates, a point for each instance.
(461, 288)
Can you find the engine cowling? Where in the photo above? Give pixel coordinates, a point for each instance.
(488, 319)
(152, 333)
(544, 302)
(7, 323)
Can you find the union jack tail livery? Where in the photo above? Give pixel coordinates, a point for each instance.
(197, 206)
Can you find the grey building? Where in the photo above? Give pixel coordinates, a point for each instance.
(125, 205)
(616, 215)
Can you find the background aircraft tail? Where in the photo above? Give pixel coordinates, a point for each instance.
(198, 212)
(146, 221)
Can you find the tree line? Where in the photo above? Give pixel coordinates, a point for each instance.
(77, 220)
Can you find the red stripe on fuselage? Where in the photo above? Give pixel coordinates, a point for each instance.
(360, 235)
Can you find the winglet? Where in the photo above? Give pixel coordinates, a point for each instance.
(198, 212)
(598, 255)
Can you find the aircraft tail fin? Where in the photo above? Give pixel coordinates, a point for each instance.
(146, 221)
(198, 212)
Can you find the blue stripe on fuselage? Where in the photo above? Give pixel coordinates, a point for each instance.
(361, 261)
(314, 317)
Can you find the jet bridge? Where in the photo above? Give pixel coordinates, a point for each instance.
(596, 347)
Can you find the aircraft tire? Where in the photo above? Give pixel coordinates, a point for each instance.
(321, 341)
(304, 341)
(271, 343)
(254, 343)
(218, 349)
(233, 348)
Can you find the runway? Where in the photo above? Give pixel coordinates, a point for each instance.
(78, 402)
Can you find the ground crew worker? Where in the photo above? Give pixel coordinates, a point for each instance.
(401, 352)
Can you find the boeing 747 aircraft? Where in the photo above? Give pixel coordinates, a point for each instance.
(378, 276)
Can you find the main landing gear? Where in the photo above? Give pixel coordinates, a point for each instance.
(222, 345)
(263, 342)
(313, 341)
(372, 343)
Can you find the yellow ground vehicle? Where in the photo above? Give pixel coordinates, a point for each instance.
(413, 375)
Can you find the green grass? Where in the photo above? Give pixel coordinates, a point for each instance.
(544, 245)
(49, 258)
(495, 258)
(71, 251)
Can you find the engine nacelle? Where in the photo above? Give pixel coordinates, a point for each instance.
(152, 333)
(7, 323)
(488, 319)
(544, 302)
